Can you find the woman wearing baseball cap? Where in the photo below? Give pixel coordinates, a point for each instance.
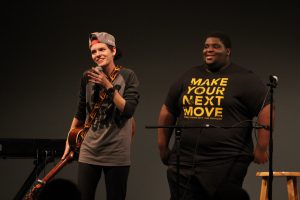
(106, 146)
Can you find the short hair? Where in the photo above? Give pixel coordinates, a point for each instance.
(222, 36)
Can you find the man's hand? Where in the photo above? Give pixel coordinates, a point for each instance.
(67, 150)
(98, 77)
(164, 155)
(260, 155)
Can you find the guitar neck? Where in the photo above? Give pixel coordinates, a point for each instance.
(32, 194)
(58, 167)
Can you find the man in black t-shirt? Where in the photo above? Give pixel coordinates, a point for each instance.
(224, 97)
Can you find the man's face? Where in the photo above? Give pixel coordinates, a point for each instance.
(102, 55)
(215, 53)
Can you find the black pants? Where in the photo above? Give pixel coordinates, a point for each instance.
(115, 180)
(207, 183)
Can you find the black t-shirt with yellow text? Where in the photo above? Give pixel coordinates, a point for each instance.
(231, 97)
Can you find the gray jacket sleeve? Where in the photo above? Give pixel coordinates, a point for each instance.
(131, 94)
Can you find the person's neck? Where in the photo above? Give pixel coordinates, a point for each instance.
(216, 68)
(109, 68)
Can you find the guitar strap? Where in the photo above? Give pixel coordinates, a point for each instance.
(92, 115)
(102, 95)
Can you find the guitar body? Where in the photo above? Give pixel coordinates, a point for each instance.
(76, 137)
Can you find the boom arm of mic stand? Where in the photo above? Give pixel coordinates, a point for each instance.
(206, 126)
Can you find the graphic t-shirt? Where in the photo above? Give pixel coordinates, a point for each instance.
(226, 102)
(107, 142)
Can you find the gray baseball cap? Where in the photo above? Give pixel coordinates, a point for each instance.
(102, 37)
(105, 38)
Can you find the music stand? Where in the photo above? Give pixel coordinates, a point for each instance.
(43, 151)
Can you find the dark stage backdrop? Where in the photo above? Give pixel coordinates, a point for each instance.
(44, 47)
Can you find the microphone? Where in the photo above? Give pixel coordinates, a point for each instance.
(97, 88)
(273, 80)
(99, 69)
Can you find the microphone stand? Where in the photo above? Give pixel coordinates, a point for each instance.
(272, 85)
(178, 133)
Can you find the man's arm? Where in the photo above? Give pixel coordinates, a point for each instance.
(263, 136)
(164, 134)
